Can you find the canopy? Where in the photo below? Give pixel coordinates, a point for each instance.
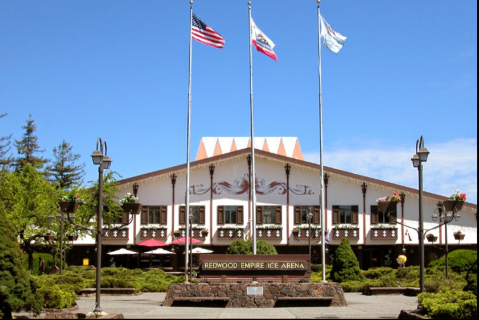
(182, 240)
(152, 243)
(122, 251)
(159, 251)
(200, 250)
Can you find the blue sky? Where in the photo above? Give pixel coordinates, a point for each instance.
(119, 70)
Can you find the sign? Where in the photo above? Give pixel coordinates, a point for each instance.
(86, 262)
(254, 290)
(255, 265)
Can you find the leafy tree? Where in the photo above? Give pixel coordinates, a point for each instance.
(29, 199)
(246, 247)
(459, 260)
(345, 264)
(28, 147)
(17, 287)
(5, 161)
(63, 170)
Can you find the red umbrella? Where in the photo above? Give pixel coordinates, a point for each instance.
(152, 243)
(183, 240)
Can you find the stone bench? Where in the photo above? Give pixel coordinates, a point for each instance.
(205, 301)
(391, 290)
(88, 292)
(303, 301)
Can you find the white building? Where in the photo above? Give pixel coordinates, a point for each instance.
(287, 189)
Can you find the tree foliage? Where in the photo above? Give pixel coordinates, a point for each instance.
(246, 247)
(17, 287)
(28, 147)
(5, 160)
(63, 170)
(460, 260)
(345, 264)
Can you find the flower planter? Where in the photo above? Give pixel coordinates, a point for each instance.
(68, 206)
(49, 238)
(115, 234)
(132, 207)
(384, 206)
(431, 239)
(270, 233)
(158, 234)
(384, 233)
(72, 238)
(196, 233)
(350, 233)
(459, 236)
(451, 205)
(303, 234)
(230, 233)
(177, 234)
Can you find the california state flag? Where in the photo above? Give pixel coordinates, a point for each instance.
(261, 41)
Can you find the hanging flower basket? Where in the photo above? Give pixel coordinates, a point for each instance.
(68, 206)
(431, 238)
(387, 205)
(49, 238)
(451, 205)
(132, 207)
(72, 238)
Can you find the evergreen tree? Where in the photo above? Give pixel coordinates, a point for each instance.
(17, 287)
(28, 147)
(63, 170)
(345, 264)
(246, 247)
(5, 160)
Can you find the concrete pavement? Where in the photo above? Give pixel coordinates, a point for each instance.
(149, 306)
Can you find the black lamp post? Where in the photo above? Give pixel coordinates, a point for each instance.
(417, 159)
(104, 162)
(310, 218)
(62, 218)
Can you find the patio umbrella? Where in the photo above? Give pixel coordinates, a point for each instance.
(182, 240)
(122, 251)
(201, 250)
(151, 243)
(159, 251)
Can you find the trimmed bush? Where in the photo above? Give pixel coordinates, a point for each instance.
(246, 247)
(450, 304)
(345, 264)
(460, 260)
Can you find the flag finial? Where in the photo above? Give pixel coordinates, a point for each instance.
(249, 3)
(191, 2)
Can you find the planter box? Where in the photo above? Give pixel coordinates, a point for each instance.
(115, 234)
(233, 233)
(72, 238)
(196, 233)
(49, 238)
(350, 233)
(453, 205)
(132, 207)
(385, 206)
(263, 234)
(303, 234)
(158, 234)
(459, 236)
(68, 206)
(384, 234)
(431, 239)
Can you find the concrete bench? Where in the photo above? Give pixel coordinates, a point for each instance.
(409, 291)
(205, 301)
(303, 301)
(88, 292)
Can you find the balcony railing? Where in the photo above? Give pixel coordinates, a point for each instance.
(384, 233)
(350, 233)
(158, 234)
(230, 233)
(115, 234)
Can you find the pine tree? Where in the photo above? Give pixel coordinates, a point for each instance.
(28, 147)
(63, 170)
(5, 160)
(17, 287)
(345, 264)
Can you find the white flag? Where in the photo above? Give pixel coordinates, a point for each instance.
(332, 40)
(262, 42)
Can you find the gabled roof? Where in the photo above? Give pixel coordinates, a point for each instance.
(388, 187)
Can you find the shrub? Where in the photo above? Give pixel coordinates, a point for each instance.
(56, 297)
(460, 260)
(317, 272)
(246, 247)
(448, 303)
(345, 264)
(471, 278)
(378, 272)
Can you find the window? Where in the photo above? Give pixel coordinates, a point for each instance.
(345, 214)
(230, 214)
(153, 215)
(301, 214)
(383, 217)
(268, 214)
(198, 213)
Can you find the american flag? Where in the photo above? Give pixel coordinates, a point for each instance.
(203, 33)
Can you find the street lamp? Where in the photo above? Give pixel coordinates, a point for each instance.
(104, 162)
(417, 159)
(310, 218)
(62, 218)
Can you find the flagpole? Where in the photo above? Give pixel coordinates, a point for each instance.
(188, 125)
(323, 226)
(253, 174)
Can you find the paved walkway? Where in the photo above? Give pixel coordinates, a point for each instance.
(149, 306)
